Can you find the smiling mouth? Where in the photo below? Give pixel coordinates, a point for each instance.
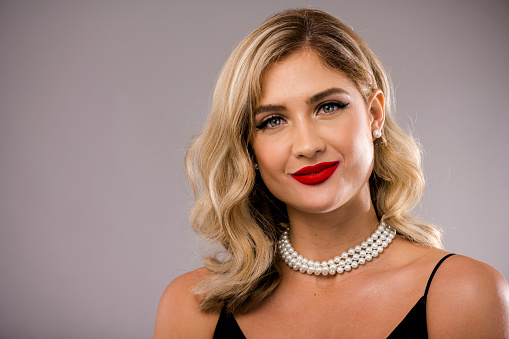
(312, 175)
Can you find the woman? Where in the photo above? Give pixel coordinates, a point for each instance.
(301, 159)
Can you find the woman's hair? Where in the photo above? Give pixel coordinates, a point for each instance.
(233, 207)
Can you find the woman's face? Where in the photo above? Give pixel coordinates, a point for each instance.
(313, 139)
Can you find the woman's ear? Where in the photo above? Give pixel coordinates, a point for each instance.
(376, 107)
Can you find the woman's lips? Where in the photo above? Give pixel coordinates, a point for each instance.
(312, 175)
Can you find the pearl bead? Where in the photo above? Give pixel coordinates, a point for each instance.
(353, 258)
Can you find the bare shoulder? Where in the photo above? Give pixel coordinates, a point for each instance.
(468, 299)
(178, 313)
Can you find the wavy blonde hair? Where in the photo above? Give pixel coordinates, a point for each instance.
(233, 207)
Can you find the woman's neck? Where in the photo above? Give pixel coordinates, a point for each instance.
(325, 235)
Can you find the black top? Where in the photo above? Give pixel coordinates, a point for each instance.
(413, 326)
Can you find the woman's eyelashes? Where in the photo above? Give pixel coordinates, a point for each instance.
(276, 120)
(272, 121)
(331, 106)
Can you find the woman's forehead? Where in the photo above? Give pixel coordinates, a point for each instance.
(301, 75)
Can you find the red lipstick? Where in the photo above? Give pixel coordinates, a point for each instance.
(312, 175)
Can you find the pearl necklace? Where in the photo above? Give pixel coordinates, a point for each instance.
(354, 257)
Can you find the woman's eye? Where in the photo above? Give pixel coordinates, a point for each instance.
(274, 122)
(330, 107)
(271, 122)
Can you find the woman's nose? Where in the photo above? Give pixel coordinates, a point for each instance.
(307, 141)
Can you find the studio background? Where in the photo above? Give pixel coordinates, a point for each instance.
(99, 100)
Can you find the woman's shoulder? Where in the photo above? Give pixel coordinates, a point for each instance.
(468, 298)
(179, 314)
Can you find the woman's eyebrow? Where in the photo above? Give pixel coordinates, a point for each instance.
(269, 108)
(311, 100)
(324, 94)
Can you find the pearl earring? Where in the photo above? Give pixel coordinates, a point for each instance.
(256, 166)
(377, 133)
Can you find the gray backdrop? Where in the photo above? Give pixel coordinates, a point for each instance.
(98, 100)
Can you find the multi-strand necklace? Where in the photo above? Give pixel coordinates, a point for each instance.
(358, 255)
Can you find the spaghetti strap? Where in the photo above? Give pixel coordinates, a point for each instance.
(434, 271)
(414, 325)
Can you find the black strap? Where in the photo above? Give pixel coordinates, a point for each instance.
(434, 271)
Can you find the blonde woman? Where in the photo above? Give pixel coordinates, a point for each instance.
(306, 183)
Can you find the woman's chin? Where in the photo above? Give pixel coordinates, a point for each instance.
(314, 207)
